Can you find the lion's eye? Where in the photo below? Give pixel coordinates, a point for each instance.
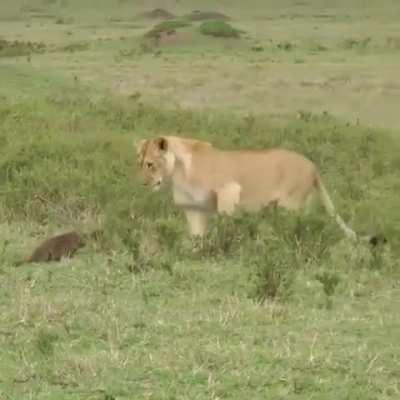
(149, 165)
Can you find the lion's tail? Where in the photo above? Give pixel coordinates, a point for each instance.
(330, 208)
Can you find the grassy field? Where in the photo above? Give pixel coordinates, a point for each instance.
(274, 305)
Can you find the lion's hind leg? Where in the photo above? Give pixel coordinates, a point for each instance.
(301, 199)
(310, 202)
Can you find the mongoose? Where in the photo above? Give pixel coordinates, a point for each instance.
(56, 247)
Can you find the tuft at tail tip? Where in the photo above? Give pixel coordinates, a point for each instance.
(377, 240)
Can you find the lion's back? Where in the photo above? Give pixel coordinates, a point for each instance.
(263, 175)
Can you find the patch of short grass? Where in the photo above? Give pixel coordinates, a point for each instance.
(74, 47)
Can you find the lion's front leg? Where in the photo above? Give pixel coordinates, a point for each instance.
(197, 221)
(228, 197)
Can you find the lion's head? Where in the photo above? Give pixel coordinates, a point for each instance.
(155, 161)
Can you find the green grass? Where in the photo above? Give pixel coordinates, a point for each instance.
(270, 305)
(249, 313)
(327, 67)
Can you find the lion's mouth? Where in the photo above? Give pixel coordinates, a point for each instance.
(157, 185)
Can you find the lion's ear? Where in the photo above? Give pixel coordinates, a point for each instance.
(162, 144)
(140, 145)
(140, 149)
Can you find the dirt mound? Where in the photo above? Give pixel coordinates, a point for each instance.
(198, 15)
(158, 13)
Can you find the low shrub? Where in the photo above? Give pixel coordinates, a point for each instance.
(18, 48)
(218, 28)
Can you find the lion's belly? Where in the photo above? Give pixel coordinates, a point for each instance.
(283, 189)
(280, 177)
(194, 198)
(286, 181)
(255, 200)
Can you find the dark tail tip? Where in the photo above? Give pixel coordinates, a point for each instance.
(19, 263)
(377, 240)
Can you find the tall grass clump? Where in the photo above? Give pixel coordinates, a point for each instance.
(18, 48)
(68, 157)
(352, 43)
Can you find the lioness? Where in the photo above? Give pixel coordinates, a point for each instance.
(205, 179)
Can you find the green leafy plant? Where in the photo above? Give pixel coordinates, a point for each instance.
(329, 281)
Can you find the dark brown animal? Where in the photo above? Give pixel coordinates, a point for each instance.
(56, 247)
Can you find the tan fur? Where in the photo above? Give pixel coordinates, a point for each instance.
(206, 180)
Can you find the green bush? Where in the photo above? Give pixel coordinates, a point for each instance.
(219, 28)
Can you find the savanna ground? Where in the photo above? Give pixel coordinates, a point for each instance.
(273, 305)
